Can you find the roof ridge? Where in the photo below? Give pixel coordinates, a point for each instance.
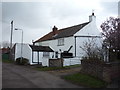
(74, 26)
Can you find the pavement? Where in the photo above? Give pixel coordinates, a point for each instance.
(115, 83)
(16, 76)
(0, 74)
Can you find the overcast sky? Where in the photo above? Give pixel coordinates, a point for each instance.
(37, 18)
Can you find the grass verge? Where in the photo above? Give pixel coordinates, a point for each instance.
(7, 61)
(85, 80)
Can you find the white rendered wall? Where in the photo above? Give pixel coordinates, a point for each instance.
(89, 30)
(71, 61)
(80, 42)
(53, 44)
(26, 51)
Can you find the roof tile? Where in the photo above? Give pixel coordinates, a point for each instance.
(65, 32)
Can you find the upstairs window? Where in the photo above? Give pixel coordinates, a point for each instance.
(60, 41)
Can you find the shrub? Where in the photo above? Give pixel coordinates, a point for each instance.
(92, 51)
(24, 61)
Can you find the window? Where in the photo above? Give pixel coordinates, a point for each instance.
(46, 54)
(60, 41)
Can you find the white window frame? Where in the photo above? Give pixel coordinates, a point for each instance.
(61, 42)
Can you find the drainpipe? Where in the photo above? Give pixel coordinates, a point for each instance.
(75, 46)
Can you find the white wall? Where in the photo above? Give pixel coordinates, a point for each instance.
(26, 51)
(80, 42)
(89, 30)
(53, 44)
(71, 61)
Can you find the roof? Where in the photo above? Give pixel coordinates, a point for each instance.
(65, 32)
(41, 48)
(5, 50)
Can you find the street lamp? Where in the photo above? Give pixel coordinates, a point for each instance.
(21, 41)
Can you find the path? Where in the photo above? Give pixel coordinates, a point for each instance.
(15, 76)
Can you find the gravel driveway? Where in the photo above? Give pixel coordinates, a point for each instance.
(15, 76)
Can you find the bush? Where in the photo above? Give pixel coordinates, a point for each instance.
(24, 61)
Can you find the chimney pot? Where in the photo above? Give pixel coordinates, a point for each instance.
(55, 30)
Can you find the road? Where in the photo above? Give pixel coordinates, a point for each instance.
(15, 76)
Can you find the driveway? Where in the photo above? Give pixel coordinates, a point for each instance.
(15, 76)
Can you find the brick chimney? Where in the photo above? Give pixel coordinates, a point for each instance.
(54, 29)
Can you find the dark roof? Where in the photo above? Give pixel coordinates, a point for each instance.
(5, 50)
(41, 48)
(65, 32)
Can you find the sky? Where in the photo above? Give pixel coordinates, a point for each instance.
(37, 18)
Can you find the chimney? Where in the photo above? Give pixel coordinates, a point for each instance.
(54, 29)
(92, 17)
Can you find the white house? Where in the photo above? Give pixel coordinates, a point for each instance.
(68, 40)
(35, 54)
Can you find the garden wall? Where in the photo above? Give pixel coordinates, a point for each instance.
(101, 70)
(55, 62)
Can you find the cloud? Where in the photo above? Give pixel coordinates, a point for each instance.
(38, 18)
(110, 7)
(28, 14)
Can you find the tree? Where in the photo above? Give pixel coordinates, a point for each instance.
(5, 44)
(111, 33)
(92, 50)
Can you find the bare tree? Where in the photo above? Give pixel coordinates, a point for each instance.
(5, 44)
(92, 50)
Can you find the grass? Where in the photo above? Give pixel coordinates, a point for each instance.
(55, 68)
(49, 68)
(85, 80)
(7, 61)
(72, 66)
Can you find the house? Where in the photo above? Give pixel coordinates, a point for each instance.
(35, 54)
(66, 42)
(5, 50)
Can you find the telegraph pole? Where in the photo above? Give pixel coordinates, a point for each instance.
(11, 34)
(11, 39)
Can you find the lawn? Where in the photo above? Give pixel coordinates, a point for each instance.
(85, 80)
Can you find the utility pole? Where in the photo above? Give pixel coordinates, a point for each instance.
(11, 40)
(11, 34)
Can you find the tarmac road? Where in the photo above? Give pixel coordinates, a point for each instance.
(15, 76)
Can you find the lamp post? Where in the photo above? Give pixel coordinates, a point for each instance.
(21, 41)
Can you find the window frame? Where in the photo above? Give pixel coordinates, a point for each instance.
(61, 42)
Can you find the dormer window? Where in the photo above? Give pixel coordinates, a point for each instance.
(60, 41)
